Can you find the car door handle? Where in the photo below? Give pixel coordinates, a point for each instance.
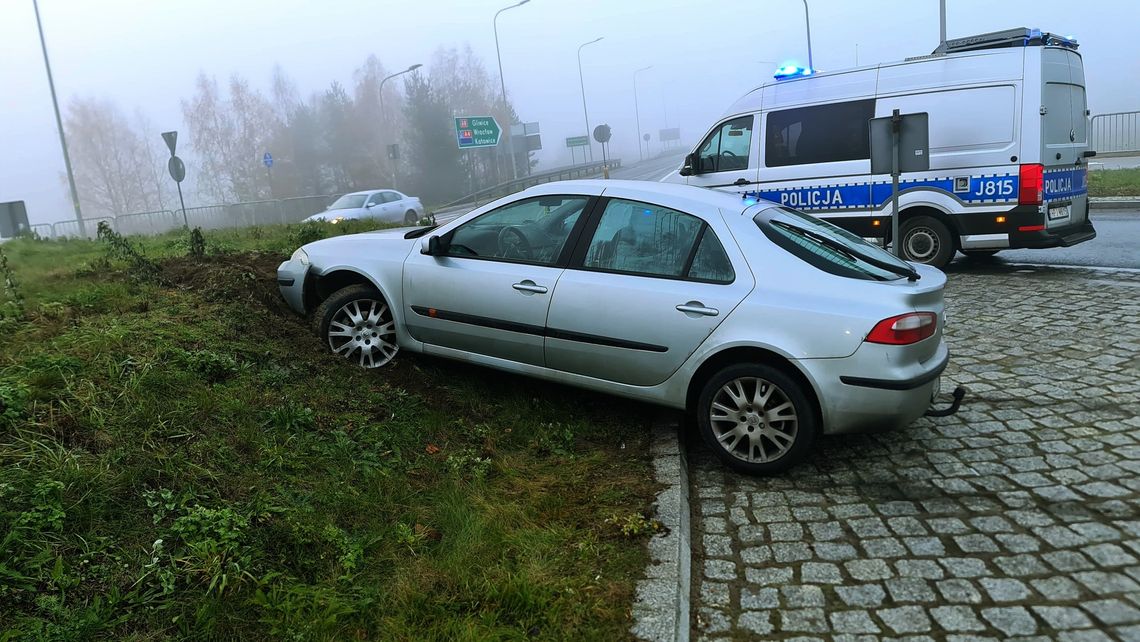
(529, 286)
(696, 307)
(741, 181)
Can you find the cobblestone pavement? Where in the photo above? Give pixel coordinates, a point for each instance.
(1018, 518)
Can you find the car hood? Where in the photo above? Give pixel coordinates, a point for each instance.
(366, 245)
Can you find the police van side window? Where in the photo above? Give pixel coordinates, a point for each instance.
(819, 134)
(726, 148)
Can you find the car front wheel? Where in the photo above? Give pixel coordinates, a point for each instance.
(756, 418)
(357, 324)
(411, 218)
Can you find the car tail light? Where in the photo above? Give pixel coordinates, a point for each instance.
(904, 329)
(1031, 180)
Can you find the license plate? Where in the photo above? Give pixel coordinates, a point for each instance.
(1061, 211)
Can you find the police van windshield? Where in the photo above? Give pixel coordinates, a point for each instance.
(828, 247)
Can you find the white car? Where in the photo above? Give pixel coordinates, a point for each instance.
(379, 204)
(770, 326)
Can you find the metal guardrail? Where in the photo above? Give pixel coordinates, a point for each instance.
(1116, 134)
(510, 187)
(209, 217)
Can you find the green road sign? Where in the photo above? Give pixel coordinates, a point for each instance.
(477, 131)
(577, 141)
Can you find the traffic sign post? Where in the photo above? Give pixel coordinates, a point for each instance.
(177, 170)
(602, 134)
(899, 143)
(267, 160)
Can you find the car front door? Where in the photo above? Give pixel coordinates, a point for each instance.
(726, 158)
(489, 291)
(643, 292)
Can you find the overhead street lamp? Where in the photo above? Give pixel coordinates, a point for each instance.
(807, 24)
(502, 82)
(59, 126)
(637, 111)
(384, 112)
(582, 82)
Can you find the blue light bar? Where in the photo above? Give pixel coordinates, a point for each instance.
(792, 71)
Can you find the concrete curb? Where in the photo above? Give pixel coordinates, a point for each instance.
(661, 605)
(1115, 203)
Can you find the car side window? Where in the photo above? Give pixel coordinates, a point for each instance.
(650, 240)
(375, 199)
(727, 147)
(819, 134)
(391, 197)
(531, 231)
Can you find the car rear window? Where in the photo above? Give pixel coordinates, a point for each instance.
(828, 247)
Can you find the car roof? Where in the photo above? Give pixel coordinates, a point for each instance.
(679, 195)
(372, 191)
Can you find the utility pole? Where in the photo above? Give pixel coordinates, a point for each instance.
(384, 112)
(59, 126)
(807, 24)
(502, 82)
(942, 24)
(637, 111)
(583, 85)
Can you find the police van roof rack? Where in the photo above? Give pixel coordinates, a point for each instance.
(1020, 37)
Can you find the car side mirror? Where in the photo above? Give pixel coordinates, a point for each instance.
(688, 169)
(432, 246)
(370, 205)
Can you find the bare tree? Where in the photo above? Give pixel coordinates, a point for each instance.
(114, 165)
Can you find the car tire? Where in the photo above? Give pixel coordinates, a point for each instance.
(927, 240)
(357, 323)
(411, 218)
(781, 443)
(979, 254)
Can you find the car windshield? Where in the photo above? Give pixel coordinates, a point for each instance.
(348, 201)
(830, 248)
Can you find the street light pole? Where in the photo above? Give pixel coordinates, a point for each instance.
(637, 111)
(384, 112)
(59, 126)
(502, 82)
(582, 82)
(807, 24)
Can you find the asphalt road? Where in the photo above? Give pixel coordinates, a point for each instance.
(653, 169)
(1117, 244)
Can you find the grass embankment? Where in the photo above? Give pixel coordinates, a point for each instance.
(1114, 182)
(180, 458)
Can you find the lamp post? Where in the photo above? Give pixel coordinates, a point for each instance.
(502, 82)
(384, 112)
(59, 126)
(582, 82)
(807, 24)
(637, 111)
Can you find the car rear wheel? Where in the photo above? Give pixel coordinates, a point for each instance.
(927, 240)
(356, 323)
(411, 218)
(756, 418)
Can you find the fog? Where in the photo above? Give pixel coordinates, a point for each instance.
(146, 55)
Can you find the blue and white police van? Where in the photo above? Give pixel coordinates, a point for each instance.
(1008, 146)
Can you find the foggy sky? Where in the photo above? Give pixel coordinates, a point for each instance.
(146, 53)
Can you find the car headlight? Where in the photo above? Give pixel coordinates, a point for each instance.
(300, 256)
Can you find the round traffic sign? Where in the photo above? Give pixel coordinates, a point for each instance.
(176, 168)
(602, 133)
(645, 138)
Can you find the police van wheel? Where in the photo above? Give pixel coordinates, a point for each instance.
(927, 240)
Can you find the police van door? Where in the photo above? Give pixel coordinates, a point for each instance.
(727, 158)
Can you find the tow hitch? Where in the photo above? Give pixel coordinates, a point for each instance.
(959, 394)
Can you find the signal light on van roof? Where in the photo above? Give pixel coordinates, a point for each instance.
(792, 71)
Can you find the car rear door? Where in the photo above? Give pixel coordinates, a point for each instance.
(1064, 137)
(490, 293)
(646, 286)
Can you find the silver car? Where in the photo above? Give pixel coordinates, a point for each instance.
(378, 204)
(769, 325)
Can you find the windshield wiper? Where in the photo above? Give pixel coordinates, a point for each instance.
(901, 270)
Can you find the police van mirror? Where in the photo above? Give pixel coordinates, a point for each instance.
(688, 168)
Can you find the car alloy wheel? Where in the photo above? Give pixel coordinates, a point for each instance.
(357, 324)
(756, 418)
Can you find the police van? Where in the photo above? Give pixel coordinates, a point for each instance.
(1008, 133)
